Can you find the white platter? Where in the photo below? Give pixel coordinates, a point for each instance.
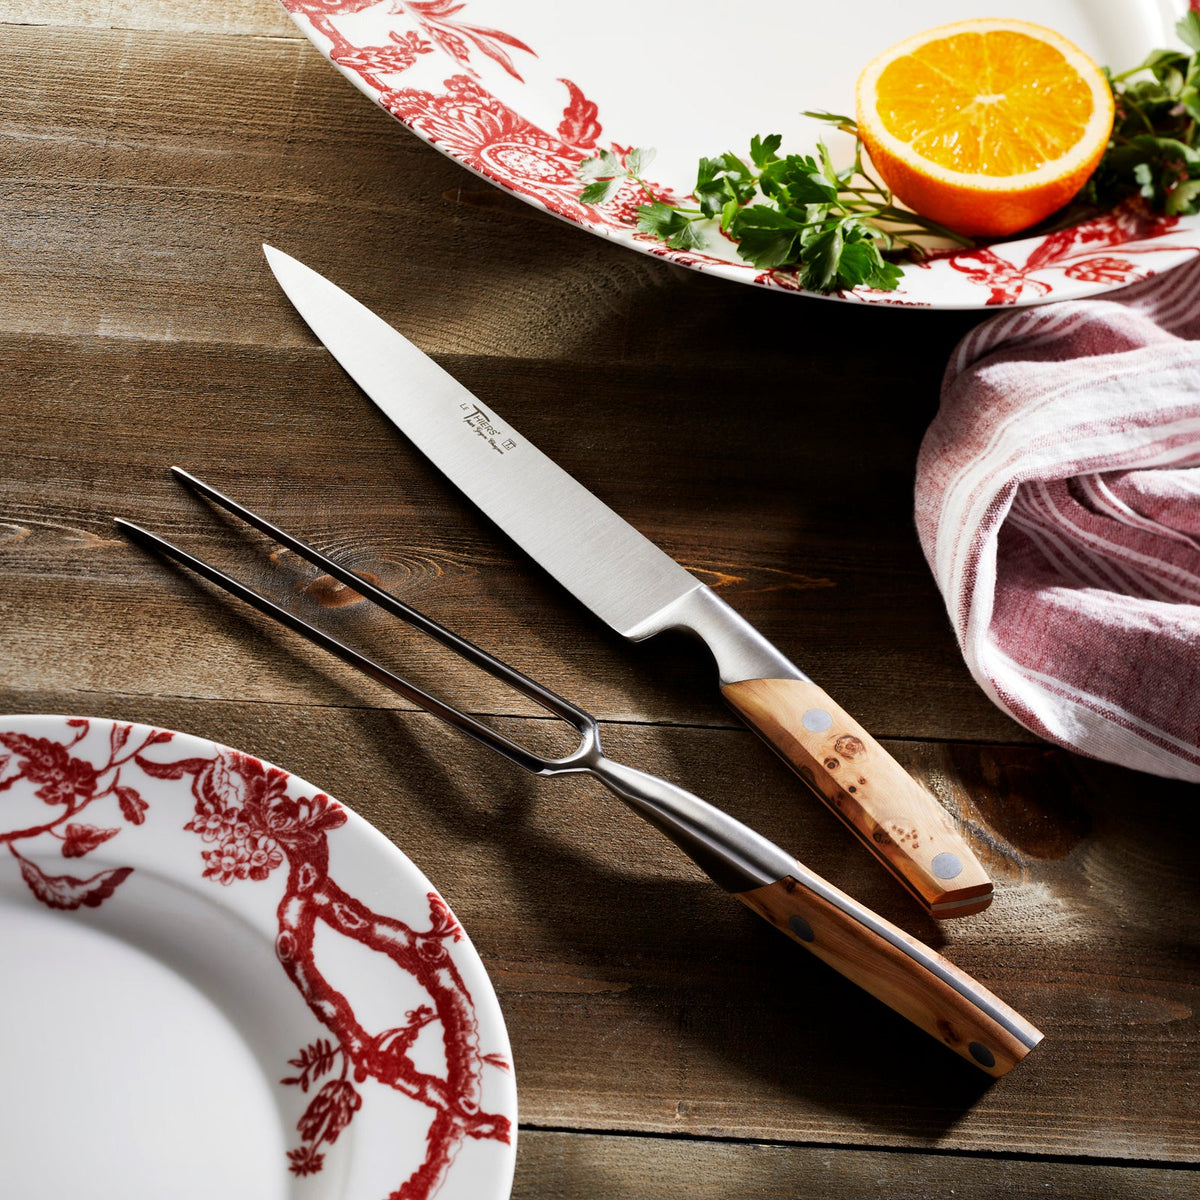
(218, 982)
(521, 91)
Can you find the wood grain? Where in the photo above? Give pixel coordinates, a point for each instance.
(554, 1166)
(256, 17)
(893, 816)
(667, 1042)
(314, 455)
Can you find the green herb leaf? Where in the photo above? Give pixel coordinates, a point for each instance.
(600, 192)
(766, 237)
(862, 265)
(1189, 29)
(1189, 97)
(719, 180)
(658, 218)
(842, 122)
(1184, 200)
(637, 160)
(830, 172)
(763, 150)
(687, 237)
(819, 269)
(674, 226)
(797, 180)
(604, 166)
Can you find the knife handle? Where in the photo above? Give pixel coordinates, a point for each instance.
(898, 820)
(902, 972)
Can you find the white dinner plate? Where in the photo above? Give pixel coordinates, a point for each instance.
(521, 91)
(218, 982)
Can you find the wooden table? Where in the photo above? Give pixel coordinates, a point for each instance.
(667, 1044)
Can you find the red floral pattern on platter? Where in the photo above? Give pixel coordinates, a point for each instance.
(436, 19)
(468, 123)
(249, 826)
(1073, 251)
(374, 62)
(474, 126)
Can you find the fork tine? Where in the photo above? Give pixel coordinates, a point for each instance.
(549, 700)
(452, 716)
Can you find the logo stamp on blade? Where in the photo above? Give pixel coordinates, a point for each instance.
(485, 426)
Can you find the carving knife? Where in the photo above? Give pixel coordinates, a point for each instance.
(639, 591)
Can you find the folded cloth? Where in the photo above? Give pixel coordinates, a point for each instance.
(1058, 503)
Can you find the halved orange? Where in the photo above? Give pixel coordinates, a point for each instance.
(985, 126)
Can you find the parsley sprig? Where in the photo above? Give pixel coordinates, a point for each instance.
(838, 228)
(1154, 151)
(833, 225)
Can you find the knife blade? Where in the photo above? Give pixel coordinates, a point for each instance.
(640, 591)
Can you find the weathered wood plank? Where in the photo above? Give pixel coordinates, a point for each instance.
(640, 999)
(260, 17)
(557, 1166)
(839, 581)
(208, 145)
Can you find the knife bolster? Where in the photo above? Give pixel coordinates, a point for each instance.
(741, 652)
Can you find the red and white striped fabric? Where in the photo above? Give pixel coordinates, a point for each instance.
(1058, 503)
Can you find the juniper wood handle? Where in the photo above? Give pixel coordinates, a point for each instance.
(855, 941)
(897, 819)
(899, 970)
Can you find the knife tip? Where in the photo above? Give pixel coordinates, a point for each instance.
(276, 258)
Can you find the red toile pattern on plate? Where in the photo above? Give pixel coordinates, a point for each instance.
(465, 67)
(1078, 252)
(68, 786)
(468, 123)
(255, 825)
(436, 23)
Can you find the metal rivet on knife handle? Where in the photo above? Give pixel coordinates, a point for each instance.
(902, 824)
(816, 720)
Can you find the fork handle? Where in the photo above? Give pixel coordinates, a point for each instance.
(858, 943)
(895, 968)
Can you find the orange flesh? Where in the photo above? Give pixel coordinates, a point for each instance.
(995, 104)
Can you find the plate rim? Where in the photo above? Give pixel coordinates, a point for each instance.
(403, 880)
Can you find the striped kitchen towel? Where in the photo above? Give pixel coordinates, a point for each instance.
(1058, 503)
